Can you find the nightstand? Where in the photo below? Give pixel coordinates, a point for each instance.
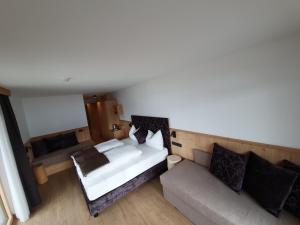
(173, 160)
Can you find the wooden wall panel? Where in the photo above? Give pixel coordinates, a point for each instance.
(124, 126)
(4, 91)
(204, 142)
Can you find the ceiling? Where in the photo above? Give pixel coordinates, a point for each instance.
(105, 45)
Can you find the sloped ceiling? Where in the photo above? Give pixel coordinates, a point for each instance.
(73, 46)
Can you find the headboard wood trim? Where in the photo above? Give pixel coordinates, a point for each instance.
(193, 140)
(154, 124)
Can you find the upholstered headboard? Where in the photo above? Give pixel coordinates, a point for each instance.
(154, 124)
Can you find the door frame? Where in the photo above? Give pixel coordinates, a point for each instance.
(6, 206)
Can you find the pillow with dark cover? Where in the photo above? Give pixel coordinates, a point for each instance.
(229, 167)
(292, 204)
(69, 140)
(39, 148)
(141, 135)
(61, 141)
(54, 143)
(268, 184)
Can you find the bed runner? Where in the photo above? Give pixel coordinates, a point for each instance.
(89, 160)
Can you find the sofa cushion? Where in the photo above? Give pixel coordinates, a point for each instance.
(62, 154)
(207, 194)
(39, 148)
(270, 185)
(292, 204)
(69, 139)
(54, 143)
(202, 158)
(229, 167)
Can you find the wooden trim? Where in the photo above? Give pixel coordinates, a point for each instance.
(6, 206)
(4, 91)
(192, 140)
(40, 173)
(58, 167)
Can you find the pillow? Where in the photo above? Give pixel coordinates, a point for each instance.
(229, 167)
(39, 148)
(268, 184)
(156, 141)
(202, 158)
(54, 143)
(69, 140)
(131, 133)
(141, 135)
(292, 204)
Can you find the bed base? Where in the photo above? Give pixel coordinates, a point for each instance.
(97, 206)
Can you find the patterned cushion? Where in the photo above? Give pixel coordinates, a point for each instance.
(39, 148)
(229, 167)
(292, 204)
(141, 135)
(54, 143)
(69, 140)
(268, 184)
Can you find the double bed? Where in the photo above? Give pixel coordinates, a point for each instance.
(130, 166)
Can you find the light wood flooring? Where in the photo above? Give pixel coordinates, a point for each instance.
(63, 203)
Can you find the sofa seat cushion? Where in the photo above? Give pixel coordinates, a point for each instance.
(196, 186)
(61, 154)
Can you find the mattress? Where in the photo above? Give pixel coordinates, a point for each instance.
(104, 180)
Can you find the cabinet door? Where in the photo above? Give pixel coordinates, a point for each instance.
(5, 214)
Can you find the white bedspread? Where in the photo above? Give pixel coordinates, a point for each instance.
(121, 169)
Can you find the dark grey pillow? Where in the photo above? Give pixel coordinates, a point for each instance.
(268, 184)
(39, 148)
(292, 204)
(69, 140)
(141, 135)
(54, 143)
(229, 167)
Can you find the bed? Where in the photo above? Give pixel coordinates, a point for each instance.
(105, 185)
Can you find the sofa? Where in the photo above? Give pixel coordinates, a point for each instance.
(206, 200)
(54, 151)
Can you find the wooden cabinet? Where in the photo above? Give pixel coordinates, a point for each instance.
(102, 114)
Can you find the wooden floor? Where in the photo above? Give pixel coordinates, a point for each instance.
(63, 203)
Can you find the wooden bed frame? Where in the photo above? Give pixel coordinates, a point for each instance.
(151, 123)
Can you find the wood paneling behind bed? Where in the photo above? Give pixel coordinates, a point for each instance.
(204, 142)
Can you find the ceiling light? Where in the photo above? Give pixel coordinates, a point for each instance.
(67, 79)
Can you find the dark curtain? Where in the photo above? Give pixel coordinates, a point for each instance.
(24, 169)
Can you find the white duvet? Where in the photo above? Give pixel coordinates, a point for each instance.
(127, 162)
(117, 157)
(108, 145)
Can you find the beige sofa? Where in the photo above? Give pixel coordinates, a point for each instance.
(205, 200)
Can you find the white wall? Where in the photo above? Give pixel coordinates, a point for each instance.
(252, 95)
(18, 108)
(46, 115)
